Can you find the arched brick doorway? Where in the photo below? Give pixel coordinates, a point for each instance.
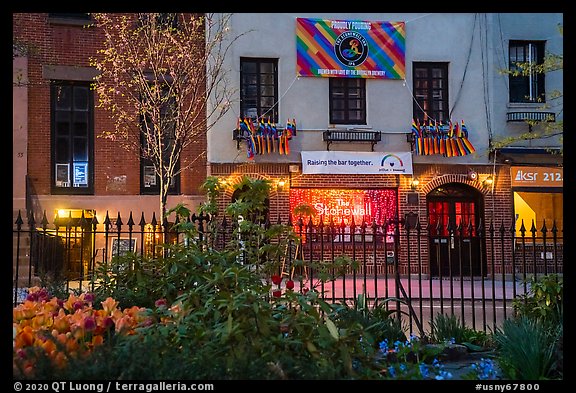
(454, 212)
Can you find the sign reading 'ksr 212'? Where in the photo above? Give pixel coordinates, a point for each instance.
(536, 176)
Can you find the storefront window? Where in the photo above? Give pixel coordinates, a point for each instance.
(347, 206)
(538, 207)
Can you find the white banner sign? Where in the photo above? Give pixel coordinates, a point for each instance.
(348, 162)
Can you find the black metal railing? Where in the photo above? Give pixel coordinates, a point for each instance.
(531, 116)
(331, 136)
(473, 273)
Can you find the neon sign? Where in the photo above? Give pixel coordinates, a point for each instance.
(345, 205)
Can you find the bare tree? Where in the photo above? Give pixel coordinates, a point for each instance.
(163, 80)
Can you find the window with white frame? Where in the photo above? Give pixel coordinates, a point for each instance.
(525, 81)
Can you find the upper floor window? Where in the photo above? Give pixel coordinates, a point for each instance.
(347, 100)
(72, 129)
(149, 179)
(430, 91)
(259, 88)
(162, 20)
(70, 15)
(528, 85)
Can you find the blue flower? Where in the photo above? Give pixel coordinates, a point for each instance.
(485, 369)
(440, 372)
(443, 375)
(424, 370)
(392, 371)
(384, 346)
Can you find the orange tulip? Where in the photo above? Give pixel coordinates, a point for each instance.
(61, 322)
(109, 305)
(97, 340)
(25, 337)
(60, 360)
(49, 346)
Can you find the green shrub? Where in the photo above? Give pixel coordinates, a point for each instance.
(446, 328)
(217, 315)
(526, 348)
(377, 320)
(544, 299)
(228, 327)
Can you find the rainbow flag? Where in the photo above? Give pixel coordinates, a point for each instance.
(469, 148)
(442, 138)
(416, 134)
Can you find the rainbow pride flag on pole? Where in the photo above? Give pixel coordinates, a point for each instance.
(449, 140)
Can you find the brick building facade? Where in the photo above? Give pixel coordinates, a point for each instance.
(468, 86)
(436, 74)
(59, 48)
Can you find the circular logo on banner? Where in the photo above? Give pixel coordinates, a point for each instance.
(351, 48)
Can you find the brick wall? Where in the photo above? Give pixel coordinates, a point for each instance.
(497, 204)
(74, 45)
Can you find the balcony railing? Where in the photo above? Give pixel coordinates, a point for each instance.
(531, 116)
(372, 137)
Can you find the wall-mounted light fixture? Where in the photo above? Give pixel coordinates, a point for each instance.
(414, 183)
(222, 182)
(488, 181)
(279, 187)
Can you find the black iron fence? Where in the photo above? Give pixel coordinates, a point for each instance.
(474, 273)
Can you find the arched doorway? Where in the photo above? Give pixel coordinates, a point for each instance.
(454, 212)
(256, 216)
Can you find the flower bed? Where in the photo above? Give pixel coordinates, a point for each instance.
(65, 329)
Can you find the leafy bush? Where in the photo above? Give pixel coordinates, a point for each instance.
(526, 348)
(537, 330)
(446, 328)
(377, 321)
(544, 299)
(209, 314)
(449, 328)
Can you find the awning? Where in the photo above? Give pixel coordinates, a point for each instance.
(529, 155)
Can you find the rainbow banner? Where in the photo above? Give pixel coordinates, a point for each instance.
(350, 48)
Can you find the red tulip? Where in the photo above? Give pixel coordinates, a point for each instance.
(289, 284)
(108, 322)
(89, 324)
(276, 279)
(277, 293)
(89, 297)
